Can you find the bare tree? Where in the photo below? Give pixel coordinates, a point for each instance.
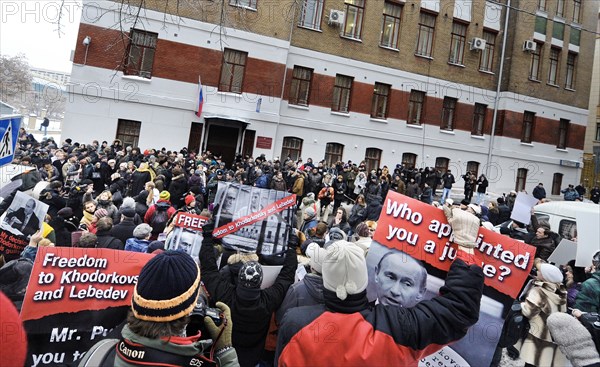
(15, 80)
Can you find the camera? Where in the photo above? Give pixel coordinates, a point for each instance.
(202, 310)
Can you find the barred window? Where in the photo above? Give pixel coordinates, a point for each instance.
(372, 158)
(563, 132)
(232, 71)
(535, 67)
(486, 60)
(300, 86)
(415, 107)
(458, 39)
(478, 119)
(448, 113)
(333, 153)
(140, 53)
(251, 4)
(528, 124)
(292, 147)
(553, 71)
(341, 93)
(570, 73)
(380, 103)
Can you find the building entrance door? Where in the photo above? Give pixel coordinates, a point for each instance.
(223, 141)
(195, 137)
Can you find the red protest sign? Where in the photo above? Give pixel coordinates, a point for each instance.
(275, 207)
(190, 221)
(422, 231)
(66, 279)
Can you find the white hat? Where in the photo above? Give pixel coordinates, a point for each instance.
(449, 201)
(345, 269)
(316, 255)
(476, 208)
(551, 273)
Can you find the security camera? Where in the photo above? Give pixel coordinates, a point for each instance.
(87, 40)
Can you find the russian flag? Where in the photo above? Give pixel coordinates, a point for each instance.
(200, 98)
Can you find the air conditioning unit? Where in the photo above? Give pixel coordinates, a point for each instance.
(336, 17)
(529, 46)
(477, 44)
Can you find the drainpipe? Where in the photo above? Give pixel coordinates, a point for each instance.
(497, 97)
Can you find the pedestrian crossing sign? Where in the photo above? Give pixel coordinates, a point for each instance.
(9, 131)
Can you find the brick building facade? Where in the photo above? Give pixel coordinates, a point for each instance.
(389, 82)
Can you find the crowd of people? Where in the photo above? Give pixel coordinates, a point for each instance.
(120, 197)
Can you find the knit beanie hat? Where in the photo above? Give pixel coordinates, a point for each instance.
(128, 212)
(13, 340)
(362, 230)
(310, 213)
(551, 273)
(164, 195)
(251, 275)
(65, 212)
(167, 288)
(336, 234)
(142, 231)
(189, 199)
(316, 255)
(154, 246)
(128, 202)
(345, 269)
(101, 213)
(573, 339)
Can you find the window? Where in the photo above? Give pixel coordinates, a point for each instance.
(448, 113)
(542, 5)
(575, 36)
(415, 107)
(478, 119)
(392, 13)
(441, 164)
(312, 11)
(473, 167)
(232, 71)
(528, 123)
(570, 74)
(251, 4)
(140, 54)
(563, 134)
(379, 105)
(560, 8)
(341, 93)
(486, 61)
(354, 17)
(128, 132)
(300, 86)
(521, 179)
(372, 158)
(576, 11)
(535, 68)
(558, 30)
(425, 38)
(457, 43)
(333, 153)
(540, 24)
(409, 160)
(567, 229)
(553, 72)
(556, 183)
(292, 147)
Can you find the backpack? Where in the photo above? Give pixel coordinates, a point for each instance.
(159, 219)
(14, 276)
(516, 326)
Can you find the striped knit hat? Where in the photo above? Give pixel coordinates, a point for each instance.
(167, 288)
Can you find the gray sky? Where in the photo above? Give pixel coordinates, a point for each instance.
(31, 27)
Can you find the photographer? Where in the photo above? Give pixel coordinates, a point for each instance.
(164, 296)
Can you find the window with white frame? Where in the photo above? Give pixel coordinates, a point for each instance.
(250, 4)
(312, 12)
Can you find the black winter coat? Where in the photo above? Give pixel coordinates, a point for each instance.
(124, 230)
(177, 188)
(138, 182)
(105, 240)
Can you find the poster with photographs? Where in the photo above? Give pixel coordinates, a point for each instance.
(251, 219)
(186, 235)
(408, 261)
(23, 218)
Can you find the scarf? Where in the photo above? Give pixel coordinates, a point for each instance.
(87, 218)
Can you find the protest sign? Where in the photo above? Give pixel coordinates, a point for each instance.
(422, 231)
(564, 252)
(23, 218)
(522, 209)
(74, 298)
(186, 236)
(588, 236)
(251, 219)
(413, 243)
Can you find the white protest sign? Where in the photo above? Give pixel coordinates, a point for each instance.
(270, 273)
(564, 252)
(522, 209)
(588, 236)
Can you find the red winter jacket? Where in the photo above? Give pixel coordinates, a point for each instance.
(351, 333)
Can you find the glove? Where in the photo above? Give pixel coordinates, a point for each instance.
(224, 340)
(573, 339)
(293, 239)
(208, 228)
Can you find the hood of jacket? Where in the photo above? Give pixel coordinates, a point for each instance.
(314, 286)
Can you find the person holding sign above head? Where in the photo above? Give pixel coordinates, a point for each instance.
(465, 225)
(383, 335)
(164, 297)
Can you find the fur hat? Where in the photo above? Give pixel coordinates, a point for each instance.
(316, 255)
(189, 199)
(551, 273)
(142, 231)
(573, 339)
(345, 269)
(164, 195)
(167, 288)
